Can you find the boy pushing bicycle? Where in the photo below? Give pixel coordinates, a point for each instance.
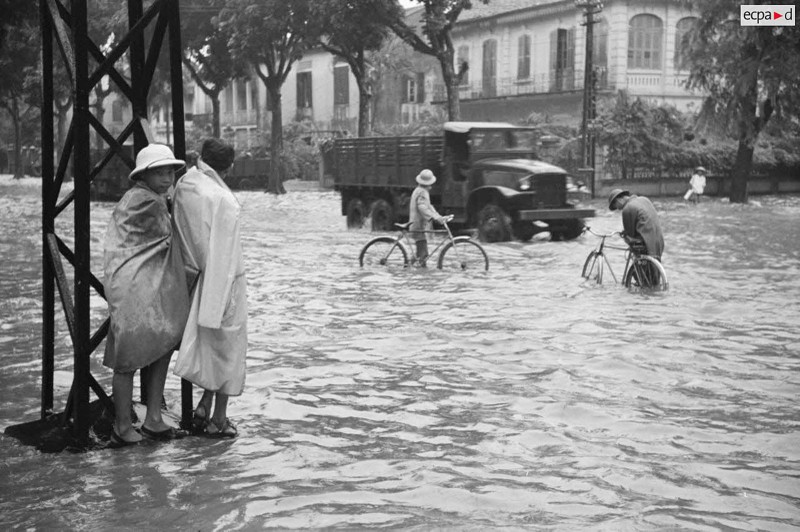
(421, 213)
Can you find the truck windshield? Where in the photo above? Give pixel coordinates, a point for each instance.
(504, 140)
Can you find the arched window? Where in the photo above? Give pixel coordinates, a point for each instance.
(682, 29)
(645, 42)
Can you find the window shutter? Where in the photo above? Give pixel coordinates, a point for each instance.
(420, 87)
(553, 58)
(570, 73)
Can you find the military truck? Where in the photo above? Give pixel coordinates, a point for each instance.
(488, 178)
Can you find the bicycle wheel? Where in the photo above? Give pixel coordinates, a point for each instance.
(463, 254)
(593, 267)
(383, 251)
(645, 272)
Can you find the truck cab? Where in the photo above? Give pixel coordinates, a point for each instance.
(494, 182)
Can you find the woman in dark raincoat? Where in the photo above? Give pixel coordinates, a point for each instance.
(145, 286)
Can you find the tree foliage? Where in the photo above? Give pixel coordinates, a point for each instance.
(271, 35)
(639, 137)
(750, 74)
(207, 55)
(19, 55)
(351, 32)
(438, 20)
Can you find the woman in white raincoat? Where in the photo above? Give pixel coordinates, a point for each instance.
(214, 344)
(145, 287)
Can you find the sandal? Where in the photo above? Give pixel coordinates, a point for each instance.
(199, 421)
(116, 441)
(228, 430)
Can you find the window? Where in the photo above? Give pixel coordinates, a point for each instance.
(645, 42)
(682, 29)
(489, 68)
(463, 57)
(524, 57)
(304, 90)
(254, 103)
(414, 88)
(241, 95)
(562, 59)
(229, 98)
(341, 85)
(117, 110)
(600, 43)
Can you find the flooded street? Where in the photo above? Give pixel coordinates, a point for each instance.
(518, 398)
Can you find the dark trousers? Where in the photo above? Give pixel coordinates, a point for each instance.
(422, 252)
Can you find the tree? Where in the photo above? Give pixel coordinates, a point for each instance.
(351, 32)
(19, 53)
(207, 56)
(271, 35)
(750, 74)
(437, 26)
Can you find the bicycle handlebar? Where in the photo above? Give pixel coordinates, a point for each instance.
(601, 235)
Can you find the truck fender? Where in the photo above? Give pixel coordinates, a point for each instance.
(483, 195)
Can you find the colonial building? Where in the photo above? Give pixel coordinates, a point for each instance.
(528, 56)
(523, 57)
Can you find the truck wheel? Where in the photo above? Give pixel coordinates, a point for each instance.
(568, 230)
(355, 213)
(247, 184)
(524, 231)
(382, 215)
(494, 225)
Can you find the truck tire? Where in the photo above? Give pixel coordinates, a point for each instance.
(567, 230)
(524, 230)
(382, 215)
(494, 225)
(355, 213)
(247, 184)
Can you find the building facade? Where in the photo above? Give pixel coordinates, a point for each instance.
(529, 56)
(523, 57)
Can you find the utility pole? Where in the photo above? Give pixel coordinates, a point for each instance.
(590, 9)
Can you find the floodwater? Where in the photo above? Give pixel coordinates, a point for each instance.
(519, 398)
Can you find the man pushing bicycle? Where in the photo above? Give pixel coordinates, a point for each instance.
(640, 223)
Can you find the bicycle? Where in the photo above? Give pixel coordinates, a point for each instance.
(455, 252)
(641, 270)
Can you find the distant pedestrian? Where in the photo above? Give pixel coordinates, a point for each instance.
(145, 286)
(421, 213)
(212, 353)
(697, 185)
(640, 223)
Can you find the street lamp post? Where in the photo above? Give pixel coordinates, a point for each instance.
(590, 8)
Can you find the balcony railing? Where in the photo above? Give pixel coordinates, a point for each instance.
(635, 82)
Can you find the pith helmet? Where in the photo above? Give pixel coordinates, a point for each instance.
(154, 156)
(426, 177)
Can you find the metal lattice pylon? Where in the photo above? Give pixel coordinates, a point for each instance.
(65, 29)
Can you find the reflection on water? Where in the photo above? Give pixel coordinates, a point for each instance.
(515, 398)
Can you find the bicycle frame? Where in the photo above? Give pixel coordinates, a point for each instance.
(453, 251)
(640, 269)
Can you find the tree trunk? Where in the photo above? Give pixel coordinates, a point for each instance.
(215, 115)
(749, 125)
(451, 86)
(741, 172)
(364, 97)
(275, 182)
